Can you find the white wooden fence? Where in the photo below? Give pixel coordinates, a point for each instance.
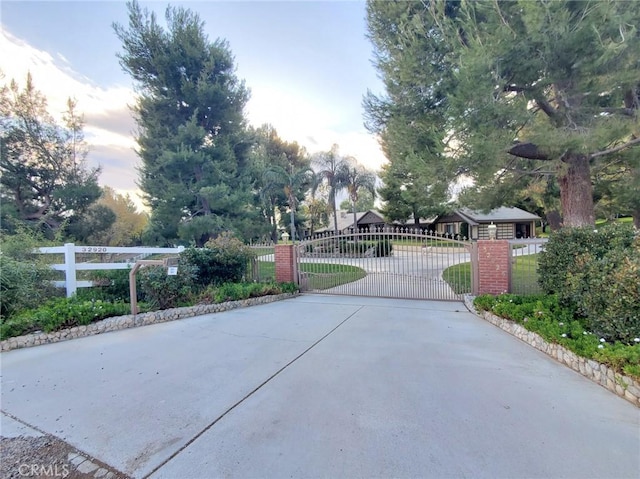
(70, 266)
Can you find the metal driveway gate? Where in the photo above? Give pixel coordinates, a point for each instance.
(394, 263)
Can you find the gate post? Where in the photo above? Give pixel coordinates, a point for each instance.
(494, 266)
(286, 263)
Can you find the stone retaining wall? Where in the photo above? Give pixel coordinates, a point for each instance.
(617, 383)
(130, 321)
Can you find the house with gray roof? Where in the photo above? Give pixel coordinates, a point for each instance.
(371, 219)
(511, 223)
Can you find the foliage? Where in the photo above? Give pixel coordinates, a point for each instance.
(524, 90)
(356, 178)
(129, 223)
(60, 313)
(564, 254)
(282, 158)
(162, 291)
(557, 323)
(44, 181)
(293, 183)
(193, 143)
(239, 291)
(228, 261)
(24, 276)
(384, 248)
(330, 171)
(365, 202)
(110, 285)
(595, 272)
(606, 291)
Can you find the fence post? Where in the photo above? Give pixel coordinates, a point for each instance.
(494, 266)
(285, 261)
(70, 268)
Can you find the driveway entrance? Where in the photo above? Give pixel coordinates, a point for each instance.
(392, 263)
(322, 386)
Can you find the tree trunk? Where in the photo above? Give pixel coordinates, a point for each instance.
(576, 192)
(636, 217)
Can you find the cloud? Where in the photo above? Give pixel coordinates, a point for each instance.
(110, 127)
(305, 120)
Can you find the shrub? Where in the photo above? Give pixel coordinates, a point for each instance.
(568, 249)
(110, 285)
(237, 291)
(224, 259)
(60, 313)
(384, 248)
(606, 293)
(163, 291)
(25, 277)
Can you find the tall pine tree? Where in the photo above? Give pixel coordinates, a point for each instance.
(538, 89)
(193, 141)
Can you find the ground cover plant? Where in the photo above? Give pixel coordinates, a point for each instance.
(219, 272)
(545, 315)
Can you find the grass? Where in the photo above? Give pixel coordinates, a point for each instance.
(524, 276)
(262, 250)
(321, 275)
(458, 277)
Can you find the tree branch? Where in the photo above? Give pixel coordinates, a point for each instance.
(546, 107)
(528, 151)
(615, 149)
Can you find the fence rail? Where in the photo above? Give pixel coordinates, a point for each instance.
(70, 266)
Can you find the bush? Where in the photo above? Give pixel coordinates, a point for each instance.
(58, 314)
(163, 291)
(224, 259)
(384, 248)
(569, 248)
(110, 285)
(596, 274)
(25, 277)
(606, 293)
(238, 291)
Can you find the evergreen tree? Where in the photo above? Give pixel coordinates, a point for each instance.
(192, 139)
(273, 152)
(45, 182)
(532, 89)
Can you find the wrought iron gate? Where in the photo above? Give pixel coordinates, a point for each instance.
(396, 263)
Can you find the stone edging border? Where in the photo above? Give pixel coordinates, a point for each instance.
(116, 323)
(619, 384)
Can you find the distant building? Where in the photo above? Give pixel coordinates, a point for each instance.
(511, 223)
(371, 219)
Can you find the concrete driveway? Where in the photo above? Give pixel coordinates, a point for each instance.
(323, 386)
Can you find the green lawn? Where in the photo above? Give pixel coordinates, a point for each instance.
(524, 276)
(440, 243)
(321, 275)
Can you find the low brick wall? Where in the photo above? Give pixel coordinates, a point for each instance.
(116, 323)
(617, 383)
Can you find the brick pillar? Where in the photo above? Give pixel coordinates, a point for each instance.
(494, 268)
(286, 265)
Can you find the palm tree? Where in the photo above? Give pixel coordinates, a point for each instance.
(292, 183)
(356, 177)
(330, 168)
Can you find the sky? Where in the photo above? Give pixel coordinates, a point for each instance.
(306, 63)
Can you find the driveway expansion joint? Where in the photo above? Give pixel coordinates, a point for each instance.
(234, 406)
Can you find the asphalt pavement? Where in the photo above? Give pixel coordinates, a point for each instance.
(323, 386)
